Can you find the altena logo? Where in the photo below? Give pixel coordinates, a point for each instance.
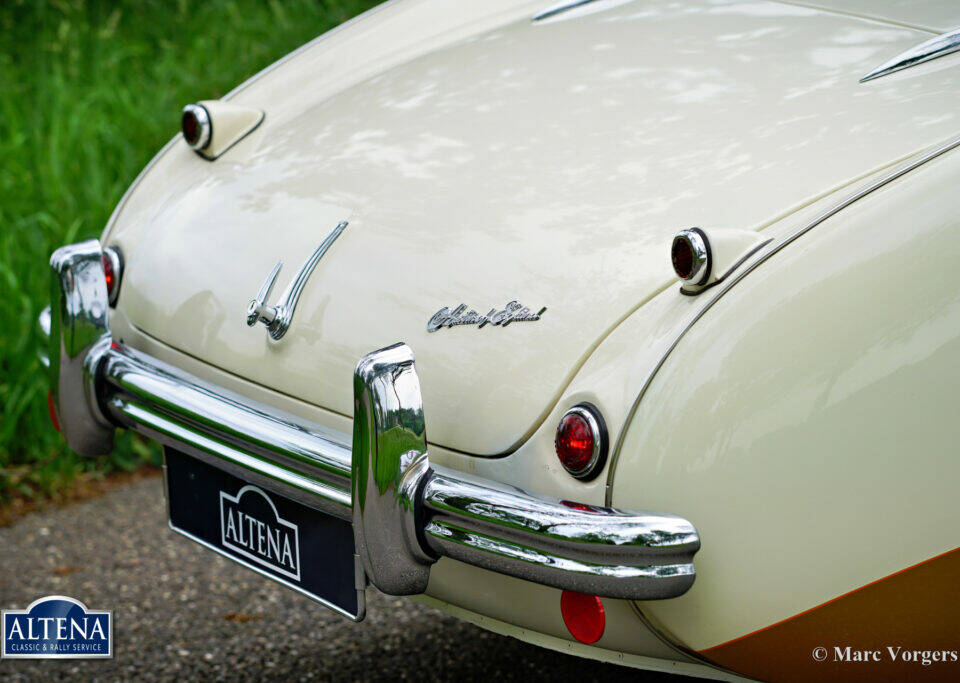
(251, 526)
(57, 627)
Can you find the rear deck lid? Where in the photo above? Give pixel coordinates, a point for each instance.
(544, 163)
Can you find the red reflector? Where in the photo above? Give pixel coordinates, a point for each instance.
(583, 616)
(574, 442)
(108, 274)
(53, 412)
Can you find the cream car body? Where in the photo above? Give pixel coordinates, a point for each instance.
(799, 413)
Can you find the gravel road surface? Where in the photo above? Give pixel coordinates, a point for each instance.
(182, 612)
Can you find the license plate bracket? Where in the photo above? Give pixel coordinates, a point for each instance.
(301, 547)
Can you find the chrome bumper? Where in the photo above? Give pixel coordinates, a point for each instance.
(405, 511)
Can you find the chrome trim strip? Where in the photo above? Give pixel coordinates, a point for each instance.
(938, 46)
(747, 269)
(743, 259)
(559, 8)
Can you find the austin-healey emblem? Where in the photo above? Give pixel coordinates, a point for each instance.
(277, 318)
(513, 312)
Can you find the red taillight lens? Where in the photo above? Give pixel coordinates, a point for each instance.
(581, 441)
(190, 127)
(682, 257)
(53, 412)
(583, 616)
(574, 442)
(195, 126)
(112, 272)
(108, 274)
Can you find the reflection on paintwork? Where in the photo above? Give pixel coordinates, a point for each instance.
(821, 416)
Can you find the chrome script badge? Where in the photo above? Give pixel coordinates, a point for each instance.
(513, 312)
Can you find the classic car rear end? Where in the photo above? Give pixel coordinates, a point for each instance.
(494, 189)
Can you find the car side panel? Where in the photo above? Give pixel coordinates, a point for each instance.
(807, 425)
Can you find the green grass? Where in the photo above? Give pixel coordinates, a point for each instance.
(89, 91)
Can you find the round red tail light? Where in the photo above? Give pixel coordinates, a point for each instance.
(112, 261)
(195, 126)
(583, 616)
(581, 441)
(690, 255)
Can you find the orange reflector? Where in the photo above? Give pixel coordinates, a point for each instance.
(53, 413)
(583, 616)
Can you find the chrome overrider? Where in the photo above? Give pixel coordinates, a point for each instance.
(406, 512)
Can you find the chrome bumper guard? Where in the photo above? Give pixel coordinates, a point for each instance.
(406, 512)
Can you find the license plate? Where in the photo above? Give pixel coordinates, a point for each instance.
(294, 544)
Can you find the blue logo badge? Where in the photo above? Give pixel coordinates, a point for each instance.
(57, 627)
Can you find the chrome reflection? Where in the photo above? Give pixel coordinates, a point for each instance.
(397, 494)
(178, 409)
(43, 322)
(78, 334)
(938, 46)
(389, 468)
(609, 552)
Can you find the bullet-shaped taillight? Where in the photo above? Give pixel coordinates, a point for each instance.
(690, 255)
(581, 441)
(195, 126)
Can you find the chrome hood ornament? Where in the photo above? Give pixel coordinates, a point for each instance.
(278, 318)
(513, 312)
